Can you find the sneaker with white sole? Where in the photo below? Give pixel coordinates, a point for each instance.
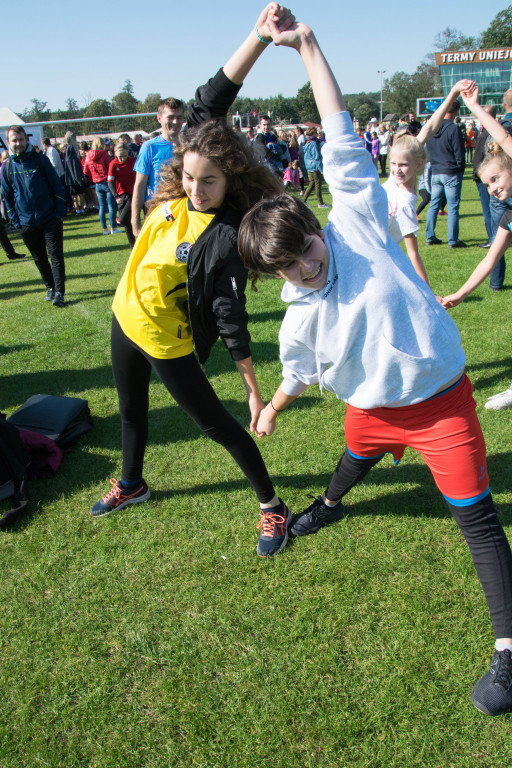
(274, 523)
(49, 295)
(492, 694)
(116, 231)
(118, 497)
(500, 402)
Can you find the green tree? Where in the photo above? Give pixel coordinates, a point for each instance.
(306, 105)
(499, 31)
(128, 87)
(150, 104)
(37, 112)
(363, 106)
(98, 108)
(451, 39)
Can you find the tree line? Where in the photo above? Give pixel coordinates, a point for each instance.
(400, 91)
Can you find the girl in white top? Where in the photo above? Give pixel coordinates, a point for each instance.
(406, 162)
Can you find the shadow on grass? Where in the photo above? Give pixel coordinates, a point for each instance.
(504, 366)
(78, 252)
(409, 502)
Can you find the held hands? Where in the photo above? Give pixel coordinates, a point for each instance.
(450, 301)
(470, 97)
(256, 405)
(278, 16)
(464, 87)
(266, 422)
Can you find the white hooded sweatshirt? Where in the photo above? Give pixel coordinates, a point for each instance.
(375, 334)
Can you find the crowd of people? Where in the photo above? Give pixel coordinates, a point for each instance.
(362, 321)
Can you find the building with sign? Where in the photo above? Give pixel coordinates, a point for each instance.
(491, 68)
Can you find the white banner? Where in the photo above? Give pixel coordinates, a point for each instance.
(34, 133)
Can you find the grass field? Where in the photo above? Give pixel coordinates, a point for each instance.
(156, 638)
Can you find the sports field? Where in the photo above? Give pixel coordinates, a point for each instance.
(156, 638)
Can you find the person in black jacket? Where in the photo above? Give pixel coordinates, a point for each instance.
(447, 155)
(184, 286)
(36, 203)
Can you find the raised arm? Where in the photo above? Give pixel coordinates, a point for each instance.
(326, 90)
(496, 130)
(433, 125)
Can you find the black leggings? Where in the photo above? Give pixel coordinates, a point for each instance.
(192, 391)
(425, 200)
(488, 544)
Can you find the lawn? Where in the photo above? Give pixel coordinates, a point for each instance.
(156, 638)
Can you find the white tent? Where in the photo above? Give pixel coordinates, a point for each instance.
(8, 117)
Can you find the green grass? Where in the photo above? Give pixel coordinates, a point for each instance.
(155, 637)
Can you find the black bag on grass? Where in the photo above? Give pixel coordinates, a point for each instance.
(63, 419)
(12, 472)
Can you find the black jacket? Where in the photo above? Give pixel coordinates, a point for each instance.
(446, 150)
(216, 282)
(216, 277)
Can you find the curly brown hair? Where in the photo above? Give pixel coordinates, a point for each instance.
(247, 181)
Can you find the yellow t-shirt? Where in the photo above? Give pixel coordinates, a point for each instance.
(151, 299)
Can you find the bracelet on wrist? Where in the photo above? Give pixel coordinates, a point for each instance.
(274, 408)
(260, 38)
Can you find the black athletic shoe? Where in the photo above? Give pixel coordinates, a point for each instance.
(492, 694)
(49, 295)
(484, 245)
(315, 517)
(58, 300)
(434, 241)
(12, 256)
(274, 529)
(459, 244)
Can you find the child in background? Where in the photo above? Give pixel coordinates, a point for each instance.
(366, 327)
(121, 180)
(313, 163)
(375, 148)
(291, 175)
(406, 161)
(496, 173)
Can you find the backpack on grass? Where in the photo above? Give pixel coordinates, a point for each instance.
(62, 419)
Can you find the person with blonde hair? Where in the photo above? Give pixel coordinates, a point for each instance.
(96, 165)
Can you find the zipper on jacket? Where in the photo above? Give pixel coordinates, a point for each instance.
(233, 283)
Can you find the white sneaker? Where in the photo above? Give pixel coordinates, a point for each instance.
(116, 232)
(106, 232)
(500, 401)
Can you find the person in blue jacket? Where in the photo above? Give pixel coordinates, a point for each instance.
(36, 203)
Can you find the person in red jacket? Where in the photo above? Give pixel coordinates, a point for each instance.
(121, 180)
(96, 166)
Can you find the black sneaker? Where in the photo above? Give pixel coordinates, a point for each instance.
(118, 497)
(50, 295)
(58, 300)
(492, 694)
(434, 241)
(274, 529)
(12, 256)
(315, 517)
(459, 244)
(484, 245)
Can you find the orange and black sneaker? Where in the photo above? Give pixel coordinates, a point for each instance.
(274, 523)
(119, 497)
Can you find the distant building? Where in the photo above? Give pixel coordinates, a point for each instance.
(491, 68)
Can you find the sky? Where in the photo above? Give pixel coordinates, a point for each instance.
(88, 52)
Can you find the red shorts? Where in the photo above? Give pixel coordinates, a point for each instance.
(444, 429)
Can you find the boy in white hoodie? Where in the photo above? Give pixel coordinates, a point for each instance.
(362, 324)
